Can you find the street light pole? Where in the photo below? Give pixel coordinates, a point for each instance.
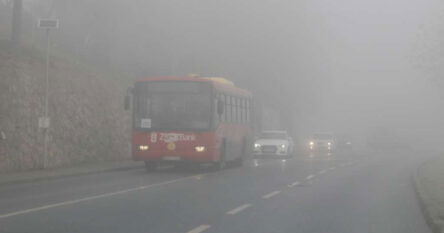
(45, 147)
(44, 121)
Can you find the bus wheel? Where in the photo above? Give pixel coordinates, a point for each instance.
(150, 166)
(240, 161)
(221, 164)
(217, 166)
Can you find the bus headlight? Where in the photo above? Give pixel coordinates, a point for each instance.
(200, 148)
(257, 146)
(329, 143)
(312, 143)
(143, 147)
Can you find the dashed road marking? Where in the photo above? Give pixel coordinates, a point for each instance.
(310, 177)
(71, 202)
(270, 194)
(293, 184)
(200, 229)
(238, 209)
(332, 168)
(322, 172)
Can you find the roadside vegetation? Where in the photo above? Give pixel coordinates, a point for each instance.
(430, 184)
(88, 123)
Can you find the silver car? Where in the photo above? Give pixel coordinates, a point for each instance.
(273, 143)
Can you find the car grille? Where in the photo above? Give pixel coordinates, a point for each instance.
(268, 149)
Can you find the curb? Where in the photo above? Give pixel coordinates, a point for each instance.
(84, 173)
(421, 196)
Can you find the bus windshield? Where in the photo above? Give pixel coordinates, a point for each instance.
(172, 105)
(273, 135)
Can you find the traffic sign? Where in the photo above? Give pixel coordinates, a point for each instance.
(49, 23)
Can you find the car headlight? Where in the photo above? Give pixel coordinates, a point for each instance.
(312, 143)
(257, 146)
(283, 146)
(329, 143)
(200, 148)
(143, 147)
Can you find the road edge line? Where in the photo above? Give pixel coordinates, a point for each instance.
(89, 198)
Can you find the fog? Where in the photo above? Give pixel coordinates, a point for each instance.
(115, 116)
(347, 66)
(371, 67)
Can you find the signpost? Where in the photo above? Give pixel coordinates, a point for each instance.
(44, 122)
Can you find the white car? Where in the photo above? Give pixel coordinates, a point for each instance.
(273, 143)
(322, 142)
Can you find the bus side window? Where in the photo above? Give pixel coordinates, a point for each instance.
(244, 110)
(234, 110)
(239, 107)
(241, 110)
(219, 97)
(228, 108)
(247, 108)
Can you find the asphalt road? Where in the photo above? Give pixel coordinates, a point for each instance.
(340, 193)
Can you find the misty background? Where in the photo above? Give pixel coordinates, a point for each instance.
(348, 66)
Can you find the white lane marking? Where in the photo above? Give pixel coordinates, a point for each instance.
(322, 172)
(293, 184)
(332, 168)
(310, 177)
(200, 229)
(271, 194)
(71, 202)
(238, 209)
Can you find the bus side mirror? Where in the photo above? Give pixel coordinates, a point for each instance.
(220, 107)
(127, 102)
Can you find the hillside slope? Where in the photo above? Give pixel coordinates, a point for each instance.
(87, 118)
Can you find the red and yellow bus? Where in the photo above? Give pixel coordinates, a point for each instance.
(190, 120)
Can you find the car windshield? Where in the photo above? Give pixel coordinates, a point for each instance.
(172, 106)
(273, 135)
(322, 136)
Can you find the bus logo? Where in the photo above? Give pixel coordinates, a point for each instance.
(175, 137)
